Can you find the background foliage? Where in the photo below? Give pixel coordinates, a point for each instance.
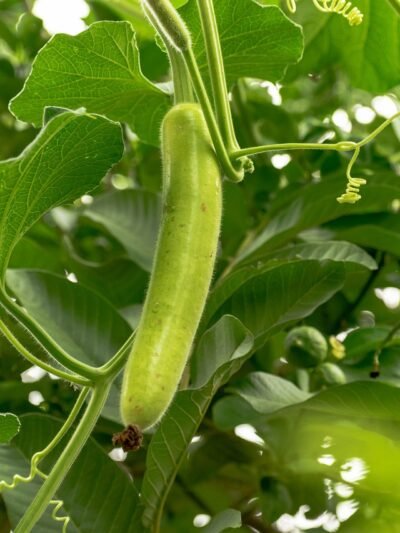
(252, 441)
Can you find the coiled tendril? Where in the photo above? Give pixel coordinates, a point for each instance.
(341, 7)
(64, 519)
(35, 471)
(352, 194)
(39, 456)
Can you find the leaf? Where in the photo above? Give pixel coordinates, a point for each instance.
(257, 41)
(316, 204)
(29, 253)
(361, 399)
(362, 341)
(129, 10)
(268, 298)
(81, 321)
(380, 231)
(224, 520)
(340, 251)
(254, 396)
(99, 70)
(330, 41)
(67, 159)
(133, 218)
(169, 444)
(120, 281)
(9, 427)
(267, 393)
(227, 339)
(231, 411)
(97, 494)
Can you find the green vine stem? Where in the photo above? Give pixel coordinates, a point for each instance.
(73, 378)
(342, 146)
(66, 459)
(351, 195)
(217, 72)
(378, 130)
(116, 363)
(42, 337)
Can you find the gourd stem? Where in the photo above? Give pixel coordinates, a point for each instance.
(66, 459)
(156, 12)
(183, 90)
(42, 337)
(168, 23)
(233, 173)
(217, 73)
(73, 378)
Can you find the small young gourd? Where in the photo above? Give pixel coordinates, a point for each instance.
(182, 269)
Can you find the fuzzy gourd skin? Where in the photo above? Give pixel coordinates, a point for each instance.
(182, 268)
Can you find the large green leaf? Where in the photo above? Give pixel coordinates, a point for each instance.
(68, 158)
(226, 345)
(254, 396)
(266, 299)
(362, 400)
(267, 393)
(133, 218)
(120, 281)
(257, 41)
(81, 321)
(358, 50)
(338, 251)
(380, 231)
(97, 494)
(99, 70)
(316, 204)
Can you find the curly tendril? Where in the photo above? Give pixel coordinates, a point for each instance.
(341, 7)
(352, 194)
(39, 456)
(55, 516)
(35, 471)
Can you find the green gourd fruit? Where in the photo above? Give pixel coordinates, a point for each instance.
(182, 269)
(305, 347)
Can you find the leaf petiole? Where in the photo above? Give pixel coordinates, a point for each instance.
(73, 378)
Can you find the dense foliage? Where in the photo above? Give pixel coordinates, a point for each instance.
(271, 422)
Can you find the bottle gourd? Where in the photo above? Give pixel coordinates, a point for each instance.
(182, 269)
